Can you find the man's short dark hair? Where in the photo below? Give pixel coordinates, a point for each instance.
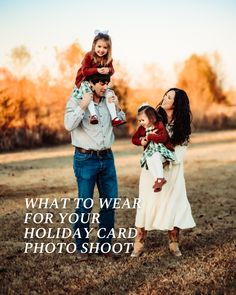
(95, 78)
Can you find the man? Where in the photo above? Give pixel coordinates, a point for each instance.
(93, 158)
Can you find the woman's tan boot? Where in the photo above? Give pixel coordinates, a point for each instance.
(139, 242)
(174, 242)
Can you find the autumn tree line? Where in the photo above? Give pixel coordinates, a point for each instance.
(32, 109)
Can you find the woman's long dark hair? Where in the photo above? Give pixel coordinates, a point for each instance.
(182, 116)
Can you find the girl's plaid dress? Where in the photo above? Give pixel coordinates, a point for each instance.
(153, 147)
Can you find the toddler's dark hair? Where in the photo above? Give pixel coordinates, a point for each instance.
(150, 112)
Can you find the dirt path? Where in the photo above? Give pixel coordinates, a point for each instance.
(208, 263)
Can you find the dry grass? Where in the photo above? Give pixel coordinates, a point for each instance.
(208, 262)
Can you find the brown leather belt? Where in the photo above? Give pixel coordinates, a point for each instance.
(98, 153)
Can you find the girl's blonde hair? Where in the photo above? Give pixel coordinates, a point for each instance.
(108, 57)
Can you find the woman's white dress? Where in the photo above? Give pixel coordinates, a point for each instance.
(170, 207)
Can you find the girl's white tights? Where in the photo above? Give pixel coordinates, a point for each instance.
(155, 165)
(111, 108)
(110, 105)
(91, 108)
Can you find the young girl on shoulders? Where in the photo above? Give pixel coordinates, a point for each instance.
(98, 60)
(158, 149)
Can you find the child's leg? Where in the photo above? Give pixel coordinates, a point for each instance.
(91, 108)
(156, 169)
(155, 165)
(110, 105)
(112, 109)
(85, 88)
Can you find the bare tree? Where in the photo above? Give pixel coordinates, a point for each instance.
(20, 57)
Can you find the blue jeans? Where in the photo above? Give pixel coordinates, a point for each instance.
(89, 170)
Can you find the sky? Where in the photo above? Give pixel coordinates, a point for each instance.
(164, 32)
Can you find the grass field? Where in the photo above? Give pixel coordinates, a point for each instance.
(209, 257)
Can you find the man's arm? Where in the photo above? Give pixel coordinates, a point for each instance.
(120, 114)
(75, 108)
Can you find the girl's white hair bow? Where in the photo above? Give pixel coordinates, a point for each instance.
(145, 104)
(96, 32)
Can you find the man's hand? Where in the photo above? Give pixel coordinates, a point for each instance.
(104, 70)
(87, 97)
(113, 98)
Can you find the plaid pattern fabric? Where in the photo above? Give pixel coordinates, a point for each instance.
(79, 92)
(153, 147)
(169, 129)
(85, 87)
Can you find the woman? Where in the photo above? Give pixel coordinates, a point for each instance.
(168, 209)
